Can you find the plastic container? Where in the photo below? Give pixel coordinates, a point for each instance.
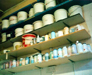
(65, 52)
(60, 33)
(50, 3)
(39, 57)
(85, 48)
(38, 24)
(5, 23)
(35, 59)
(17, 45)
(69, 50)
(20, 62)
(23, 61)
(80, 47)
(66, 30)
(27, 39)
(28, 28)
(18, 32)
(60, 14)
(75, 9)
(55, 54)
(31, 12)
(31, 59)
(3, 37)
(46, 37)
(74, 49)
(38, 7)
(14, 63)
(53, 35)
(13, 20)
(60, 52)
(27, 60)
(22, 15)
(48, 19)
(46, 56)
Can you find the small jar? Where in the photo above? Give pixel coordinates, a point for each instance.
(60, 52)
(46, 56)
(66, 30)
(65, 53)
(55, 54)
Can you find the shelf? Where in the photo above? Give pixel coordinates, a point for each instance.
(35, 17)
(81, 56)
(51, 62)
(58, 41)
(48, 28)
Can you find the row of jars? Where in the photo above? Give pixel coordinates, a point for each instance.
(30, 41)
(59, 14)
(54, 54)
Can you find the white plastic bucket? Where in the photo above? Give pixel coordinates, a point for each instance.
(18, 31)
(50, 3)
(38, 24)
(17, 45)
(60, 14)
(38, 7)
(31, 12)
(73, 10)
(3, 37)
(28, 28)
(22, 15)
(5, 23)
(48, 19)
(13, 20)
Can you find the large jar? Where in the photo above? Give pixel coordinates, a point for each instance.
(27, 39)
(13, 20)
(28, 28)
(50, 3)
(60, 14)
(18, 31)
(75, 9)
(38, 7)
(22, 15)
(31, 12)
(48, 19)
(38, 24)
(5, 23)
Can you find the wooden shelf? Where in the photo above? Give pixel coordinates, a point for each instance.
(51, 62)
(58, 41)
(47, 29)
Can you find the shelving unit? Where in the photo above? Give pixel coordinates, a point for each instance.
(58, 41)
(51, 62)
(47, 29)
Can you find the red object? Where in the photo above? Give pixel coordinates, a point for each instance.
(25, 41)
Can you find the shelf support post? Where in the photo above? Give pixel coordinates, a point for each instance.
(66, 24)
(14, 57)
(70, 41)
(38, 50)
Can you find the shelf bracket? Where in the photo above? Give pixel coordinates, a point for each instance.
(71, 60)
(38, 50)
(11, 72)
(38, 67)
(70, 41)
(14, 57)
(66, 24)
(51, 65)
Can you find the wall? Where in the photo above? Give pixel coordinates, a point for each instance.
(78, 68)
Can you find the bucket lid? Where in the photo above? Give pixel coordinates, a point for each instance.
(29, 35)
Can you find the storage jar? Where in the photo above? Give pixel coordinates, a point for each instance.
(50, 3)
(60, 14)
(27, 38)
(38, 7)
(13, 20)
(38, 24)
(22, 15)
(75, 9)
(48, 19)
(28, 28)
(18, 32)
(17, 45)
(5, 23)
(31, 12)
